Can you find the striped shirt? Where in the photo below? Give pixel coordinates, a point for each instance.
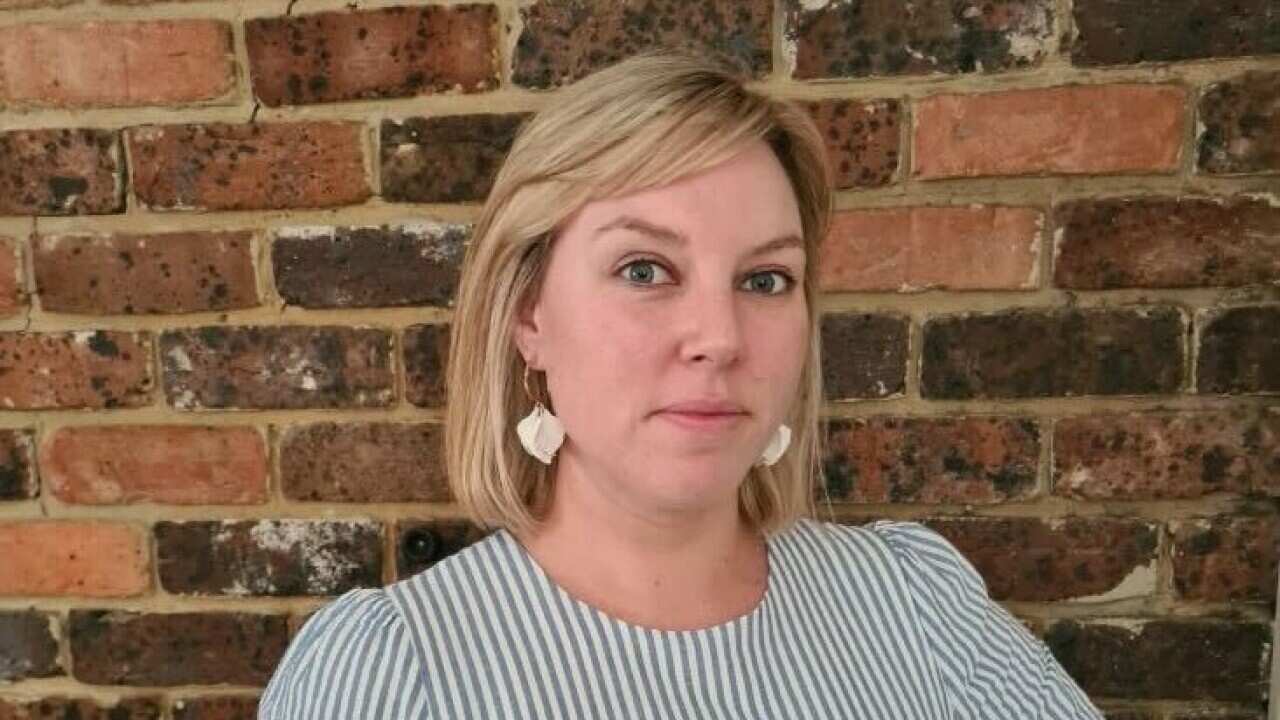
(885, 620)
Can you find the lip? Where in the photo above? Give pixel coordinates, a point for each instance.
(704, 414)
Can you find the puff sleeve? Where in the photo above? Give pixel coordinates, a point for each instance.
(992, 666)
(353, 658)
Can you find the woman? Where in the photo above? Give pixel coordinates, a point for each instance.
(633, 402)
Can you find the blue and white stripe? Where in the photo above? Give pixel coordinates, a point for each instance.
(887, 620)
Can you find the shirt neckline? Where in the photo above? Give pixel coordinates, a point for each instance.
(752, 616)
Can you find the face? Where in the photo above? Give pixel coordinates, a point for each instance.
(672, 327)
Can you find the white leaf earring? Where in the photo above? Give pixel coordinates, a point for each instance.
(778, 443)
(541, 432)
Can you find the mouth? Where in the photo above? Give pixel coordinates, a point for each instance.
(705, 415)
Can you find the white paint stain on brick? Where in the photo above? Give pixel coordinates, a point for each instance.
(179, 358)
(1140, 582)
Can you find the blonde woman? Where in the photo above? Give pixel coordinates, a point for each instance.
(633, 406)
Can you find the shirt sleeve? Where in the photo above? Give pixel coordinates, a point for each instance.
(992, 666)
(353, 658)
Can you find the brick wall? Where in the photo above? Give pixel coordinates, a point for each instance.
(230, 231)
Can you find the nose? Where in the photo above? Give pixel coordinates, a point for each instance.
(713, 328)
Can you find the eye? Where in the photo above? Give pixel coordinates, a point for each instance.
(645, 272)
(769, 282)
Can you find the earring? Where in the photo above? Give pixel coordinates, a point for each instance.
(541, 432)
(778, 443)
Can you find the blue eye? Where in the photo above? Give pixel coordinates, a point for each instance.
(769, 282)
(643, 272)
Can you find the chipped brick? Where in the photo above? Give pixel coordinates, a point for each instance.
(285, 367)
(83, 558)
(930, 460)
(1024, 353)
(426, 355)
(60, 172)
(142, 274)
(863, 356)
(453, 158)
(1241, 124)
(78, 369)
(174, 464)
(364, 462)
(344, 267)
(1239, 350)
(263, 166)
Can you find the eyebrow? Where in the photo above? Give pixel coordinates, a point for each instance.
(665, 234)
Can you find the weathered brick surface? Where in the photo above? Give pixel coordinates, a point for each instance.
(1239, 351)
(423, 543)
(28, 646)
(115, 63)
(564, 40)
(915, 248)
(1113, 33)
(1165, 659)
(930, 460)
(1165, 456)
(17, 466)
(174, 464)
(389, 52)
(83, 558)
(64, 708)
(453, 158)
(1023, 353)
(60, 172)
(1062, 130)
(138, 274)
(221, 707)
(364, 462)
(268, 557)
(78, 369)
(862, 139)
(856, 39)
(322, 267)
(1166, 242)
(426, 355)
(1241, 119)
(277, 367)
(24, 4)
(1226, 559)
(12, 298)
(262, 166)
(116, 647)
(863, 356)
(1038, 560)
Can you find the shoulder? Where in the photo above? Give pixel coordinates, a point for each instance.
(353, 658)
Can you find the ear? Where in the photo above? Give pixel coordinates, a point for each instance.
(527, 332)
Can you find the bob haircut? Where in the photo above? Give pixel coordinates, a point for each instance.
(644, 122)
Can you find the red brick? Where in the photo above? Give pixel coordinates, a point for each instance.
(115, 63)
(285, 367)
(1239, 350)
(11, 295)
(78, 369)
(916, 248)
(1114, 33)
(858, 39)
(930, 460)
(1241, 119)
(175, 464)
(218, 707)
(264, 166)
(1033, 353)
(863, 356)
(116, 647)
(426, 355)
(1142, 659)
(60, 172)
(564, 41)
(1081, 559)
(1062, 130)
(268, 557)
(66, 708)
(138, 274)
(364, 462)
(1226, 559)
(17, 466)
(28, 646)
(1165, 456)
(388, 52)
(1166, 242)
(81, 558)
(452, 158)
(862, 139)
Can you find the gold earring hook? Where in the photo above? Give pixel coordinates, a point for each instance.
(526, 384)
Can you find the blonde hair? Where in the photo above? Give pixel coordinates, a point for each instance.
(644, 122)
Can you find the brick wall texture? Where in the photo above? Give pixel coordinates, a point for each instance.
(230, 235)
